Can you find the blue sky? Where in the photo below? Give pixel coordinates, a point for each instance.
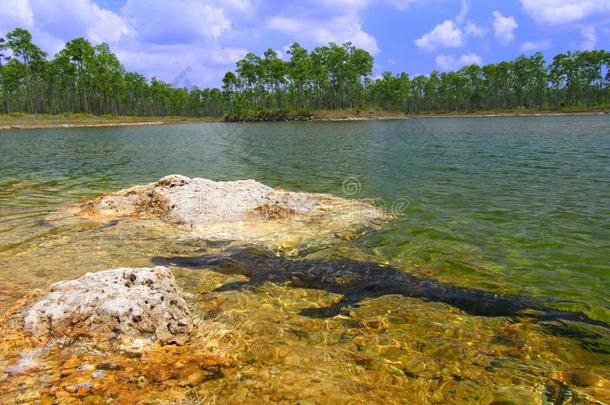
(195, 41)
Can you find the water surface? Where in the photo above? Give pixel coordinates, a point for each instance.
(513, 205)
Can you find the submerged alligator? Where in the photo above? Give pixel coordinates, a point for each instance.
(358, 281)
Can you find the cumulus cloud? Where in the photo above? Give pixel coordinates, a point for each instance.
(401, 4)
(445, 35)
(179, 21)
(451, 33)
(448, 62)
(504, 28)
(15, 12)
(532, 46)
(340, 22)
(182, 38)
(556, 12)
(67, 19)
(461, 17)
(340, 31)
(589, 38)
(53, 23)
(587, 16)
(473, 30)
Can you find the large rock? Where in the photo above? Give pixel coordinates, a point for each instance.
(142, 303)
(236, 210)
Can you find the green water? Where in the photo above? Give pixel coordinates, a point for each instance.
(519, 205)
(523, 203)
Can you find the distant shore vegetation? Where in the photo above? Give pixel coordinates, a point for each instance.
(89, 79)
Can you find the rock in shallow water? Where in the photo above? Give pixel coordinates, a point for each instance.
(236, 210)
(142, 304)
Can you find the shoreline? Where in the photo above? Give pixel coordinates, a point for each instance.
(24, 123)
(32, 121)
(398, 116)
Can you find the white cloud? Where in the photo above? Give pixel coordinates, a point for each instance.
(444, 35)
(179, 21)
(66, 19)
(504, 28)
(401, 4)
(589, 38)
(353, 4)
(15, 13)
(53, 23)
(451, 33)
(461, 17)
(473, 30)
(586, 16)
(448, 62)
(228, 56)
(531, 46)
(339, 29)
(239, 5)
(556, 12)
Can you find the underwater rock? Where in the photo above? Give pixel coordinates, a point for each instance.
(236, 210)
(27, 361)
(142, 304)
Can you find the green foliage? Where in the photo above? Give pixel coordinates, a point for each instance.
(89, 79)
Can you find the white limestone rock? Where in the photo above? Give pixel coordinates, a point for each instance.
(139, 304)
(244, 210)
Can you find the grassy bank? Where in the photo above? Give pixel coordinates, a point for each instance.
(27, 121)
(357, 115)
(31, 121)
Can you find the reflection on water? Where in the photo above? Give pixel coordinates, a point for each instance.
(513, 206)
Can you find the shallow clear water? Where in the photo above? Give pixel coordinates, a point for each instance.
(519, 205)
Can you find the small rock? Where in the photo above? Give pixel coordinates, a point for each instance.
(584, 378)
(46, 400)
(142, 381)
(93, 400)
(81, 389)
(134, 304)
(72, 362)
(86, 367)
(195, 378)
(28, 396)
(109, 366)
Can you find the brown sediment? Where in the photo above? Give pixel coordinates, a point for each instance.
(94, 369)
(95, 372)
(252, 346)
(153, 204)
(272, 211)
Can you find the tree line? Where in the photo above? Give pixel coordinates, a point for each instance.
(88, 78)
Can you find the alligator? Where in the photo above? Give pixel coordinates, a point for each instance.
(357, 281)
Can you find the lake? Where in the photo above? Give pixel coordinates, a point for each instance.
(509, 205)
